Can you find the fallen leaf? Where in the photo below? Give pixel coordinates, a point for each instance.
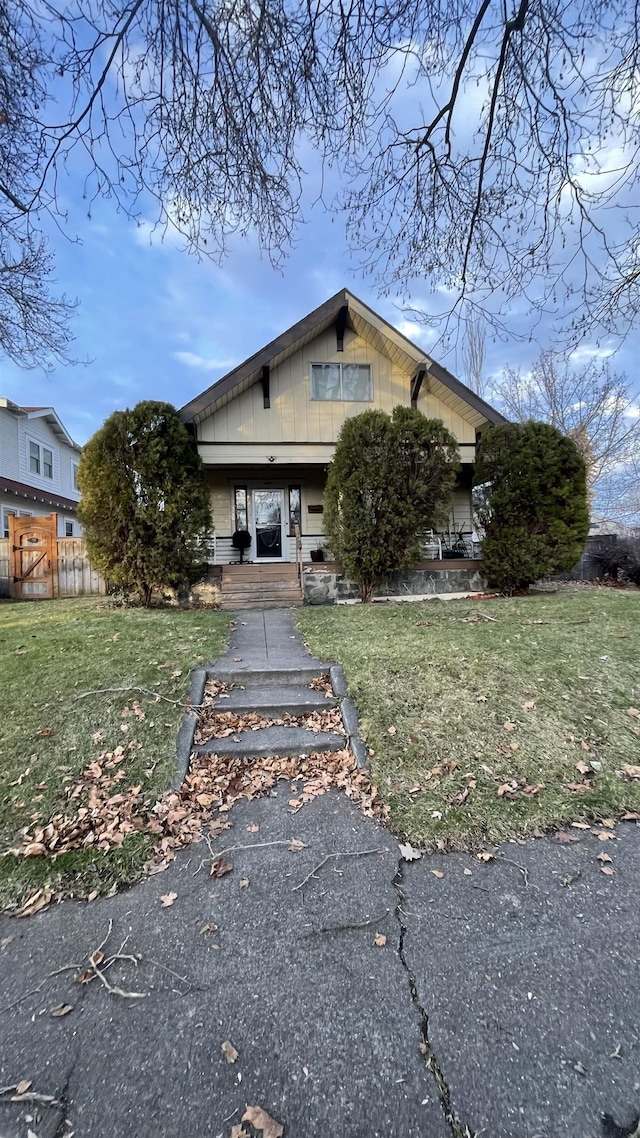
(175, 675)
(581, 825)
(61, 1010)
(529, 705)
(467, 872)
(380, 940)
(45, 731)
(295, 845)
(238, 1131)
(604, 857)
(630, 771)
(220, 868)
(484, 855)
(605, 836)
(253, 829)
(244, 883)
(437, 873)
(634, 712)
(609, 823)
(392, 730)
(509, 725)
(208, 928)
(583, 767)
(4, 941)
(564, 837)
(263, 1121)
(408, 853)
(630, 816)
(168, 899)
(23, 1086)
(606, 869)
(481, 699)
(229, 1051)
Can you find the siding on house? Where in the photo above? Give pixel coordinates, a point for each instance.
(16, 432)
(295, 418)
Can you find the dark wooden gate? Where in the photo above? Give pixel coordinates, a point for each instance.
(32, 557)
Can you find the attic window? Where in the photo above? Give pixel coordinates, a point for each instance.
(348, 383)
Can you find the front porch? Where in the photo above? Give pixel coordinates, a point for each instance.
(252, 585)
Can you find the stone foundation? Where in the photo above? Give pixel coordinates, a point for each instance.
(327, 586)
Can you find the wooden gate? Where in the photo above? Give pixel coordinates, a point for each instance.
(32, 557)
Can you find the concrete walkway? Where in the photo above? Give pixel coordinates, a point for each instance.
(263, 639)
(366, 997)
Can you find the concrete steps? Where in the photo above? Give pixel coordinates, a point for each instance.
(272, 741)
(256, 677)
(273, 701)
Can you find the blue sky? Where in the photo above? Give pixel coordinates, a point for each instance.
(153, 322)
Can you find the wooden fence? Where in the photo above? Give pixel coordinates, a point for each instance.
(73, 575)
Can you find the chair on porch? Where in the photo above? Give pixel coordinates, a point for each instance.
(432, 546)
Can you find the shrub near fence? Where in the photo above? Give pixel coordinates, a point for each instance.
(75, 575)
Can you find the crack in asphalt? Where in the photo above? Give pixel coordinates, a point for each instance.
(458, 1129)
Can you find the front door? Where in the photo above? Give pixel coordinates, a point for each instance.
(269, 525)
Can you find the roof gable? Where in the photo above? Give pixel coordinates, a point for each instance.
(366, 323)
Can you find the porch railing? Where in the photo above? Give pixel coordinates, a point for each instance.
(298, 537)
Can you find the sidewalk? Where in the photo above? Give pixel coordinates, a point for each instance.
(503, 1002)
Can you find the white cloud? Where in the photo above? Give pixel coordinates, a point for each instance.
(585, 353)
(192, 359)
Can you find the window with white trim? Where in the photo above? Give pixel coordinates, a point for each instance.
(74, 475)
(68, 529)
(348, 383)
(40, 460)
(8, 512)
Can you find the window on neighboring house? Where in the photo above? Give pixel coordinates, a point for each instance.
(7, 512)
(295, 512)
(34, 458)
(74, 473)
(240, 502)
(345, 382)
(68, 529)
(40, 460)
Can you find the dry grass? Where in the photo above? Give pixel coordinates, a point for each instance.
(51, 652)
(493, 719)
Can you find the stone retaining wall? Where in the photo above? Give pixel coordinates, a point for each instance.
(325, 587)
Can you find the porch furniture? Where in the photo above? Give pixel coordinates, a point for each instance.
(432, 545)
(241, 540)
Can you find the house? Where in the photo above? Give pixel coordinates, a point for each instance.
(267, 430)
(38, 467)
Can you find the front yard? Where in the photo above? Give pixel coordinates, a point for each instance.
(487, 720)
(52, 651)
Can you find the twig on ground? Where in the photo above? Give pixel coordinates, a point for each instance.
(135, 687)
(328, 857)
(523, 869)
(113, 988)
(34, 991)
(28, 1096)
(215, 854)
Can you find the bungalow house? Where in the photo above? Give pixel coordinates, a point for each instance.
(266, 433)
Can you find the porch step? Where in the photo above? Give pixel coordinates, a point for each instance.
(272, 741)
(274, 702)
(254, 678)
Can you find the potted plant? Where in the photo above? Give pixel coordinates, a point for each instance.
(317, 554)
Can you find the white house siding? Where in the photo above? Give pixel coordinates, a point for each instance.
(39, 431)
(9, 453)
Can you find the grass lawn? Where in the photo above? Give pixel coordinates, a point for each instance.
(482, 729)
(53, 650)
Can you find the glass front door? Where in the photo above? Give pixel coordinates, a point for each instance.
(268, 516)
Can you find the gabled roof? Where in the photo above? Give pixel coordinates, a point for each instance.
(366, 324)
(48, 414)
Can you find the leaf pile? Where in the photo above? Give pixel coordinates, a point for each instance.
(98, 813)
(214, 724)
(322, 683)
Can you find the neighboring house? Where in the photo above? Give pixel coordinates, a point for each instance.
(38, 467)
(267, 430)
